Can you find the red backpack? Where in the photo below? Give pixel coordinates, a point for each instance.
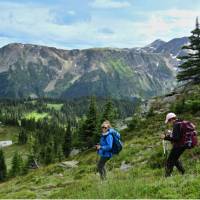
(189, 137)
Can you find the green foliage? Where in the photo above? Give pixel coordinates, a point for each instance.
(48, 154)
(109, 113)
(36, 116)
(89, 131)
(48, 142)
(179, 107)
(3, 167)
(22, 137)
(183, 106)
(67, 146)
(121, 68)
(55, 106)
(134, 123)
(150, 112)
(143, 151)
(28, 164)
(190, 68)
(17, 165)
(157, 159)
(193, 105)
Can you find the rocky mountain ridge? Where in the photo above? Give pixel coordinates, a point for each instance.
(35, 71)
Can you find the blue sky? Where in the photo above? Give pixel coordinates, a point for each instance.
(71, 24)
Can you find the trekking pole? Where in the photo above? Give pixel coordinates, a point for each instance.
(164, 147)
(85, 151)
(165, 144)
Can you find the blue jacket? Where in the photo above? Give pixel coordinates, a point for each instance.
(106, 143)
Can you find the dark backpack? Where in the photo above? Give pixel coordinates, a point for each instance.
(189, 134)
(117, 144)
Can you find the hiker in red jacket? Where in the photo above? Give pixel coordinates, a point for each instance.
(177, 149)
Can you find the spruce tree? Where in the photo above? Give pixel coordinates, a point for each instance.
(49, 154)
(60, 153)
(78, 137)
(3, 168)
(67, 141)
(109, 112)
(90, 127)
(190, 68)
(23, 137)
(17, 165)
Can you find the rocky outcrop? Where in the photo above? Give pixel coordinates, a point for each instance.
(31, 70)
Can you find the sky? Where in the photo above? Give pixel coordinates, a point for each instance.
(80, 24)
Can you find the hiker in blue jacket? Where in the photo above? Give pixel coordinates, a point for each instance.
(104, 148)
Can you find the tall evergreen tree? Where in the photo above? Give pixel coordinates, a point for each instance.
(49, 154)
(190, 68)
(22, 137)
(90, 126)
(3, 168)
(78, 137)
(67, 141)
(109, 112)
(17, 165)
(60, 154)
(27, 164)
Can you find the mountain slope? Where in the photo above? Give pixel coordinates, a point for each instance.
(144, 178)
(31, 70)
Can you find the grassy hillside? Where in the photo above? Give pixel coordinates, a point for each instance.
(35, 115)
(142, 151)
(11, 133)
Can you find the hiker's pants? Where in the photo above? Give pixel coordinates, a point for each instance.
(173, 160)
(101, 167)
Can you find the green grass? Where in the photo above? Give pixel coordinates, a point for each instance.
(11, 133)
(55, 106)
(120, 67)
(145, 179)
(142, 149)
(8, 133)
(35, 115)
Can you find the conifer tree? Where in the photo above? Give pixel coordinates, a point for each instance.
(90, 126)
(109, 112)
(49, 154)
(3, 168)
(67, 141)
(79, 138)
(190, 68)
(23, 137)
(60, 153)
(17, 165)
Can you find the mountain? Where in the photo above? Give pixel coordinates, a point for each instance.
(172, 47)
(155, 45)
(35, 71)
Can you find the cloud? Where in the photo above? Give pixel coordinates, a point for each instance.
(169, 23)
(110, 4)
(71, 12)
(106, 31)
(67, 28)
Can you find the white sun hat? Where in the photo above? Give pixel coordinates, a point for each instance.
(170, 116)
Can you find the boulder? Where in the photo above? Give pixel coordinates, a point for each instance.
(74, 152)
(69, 164)
(125, 166)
